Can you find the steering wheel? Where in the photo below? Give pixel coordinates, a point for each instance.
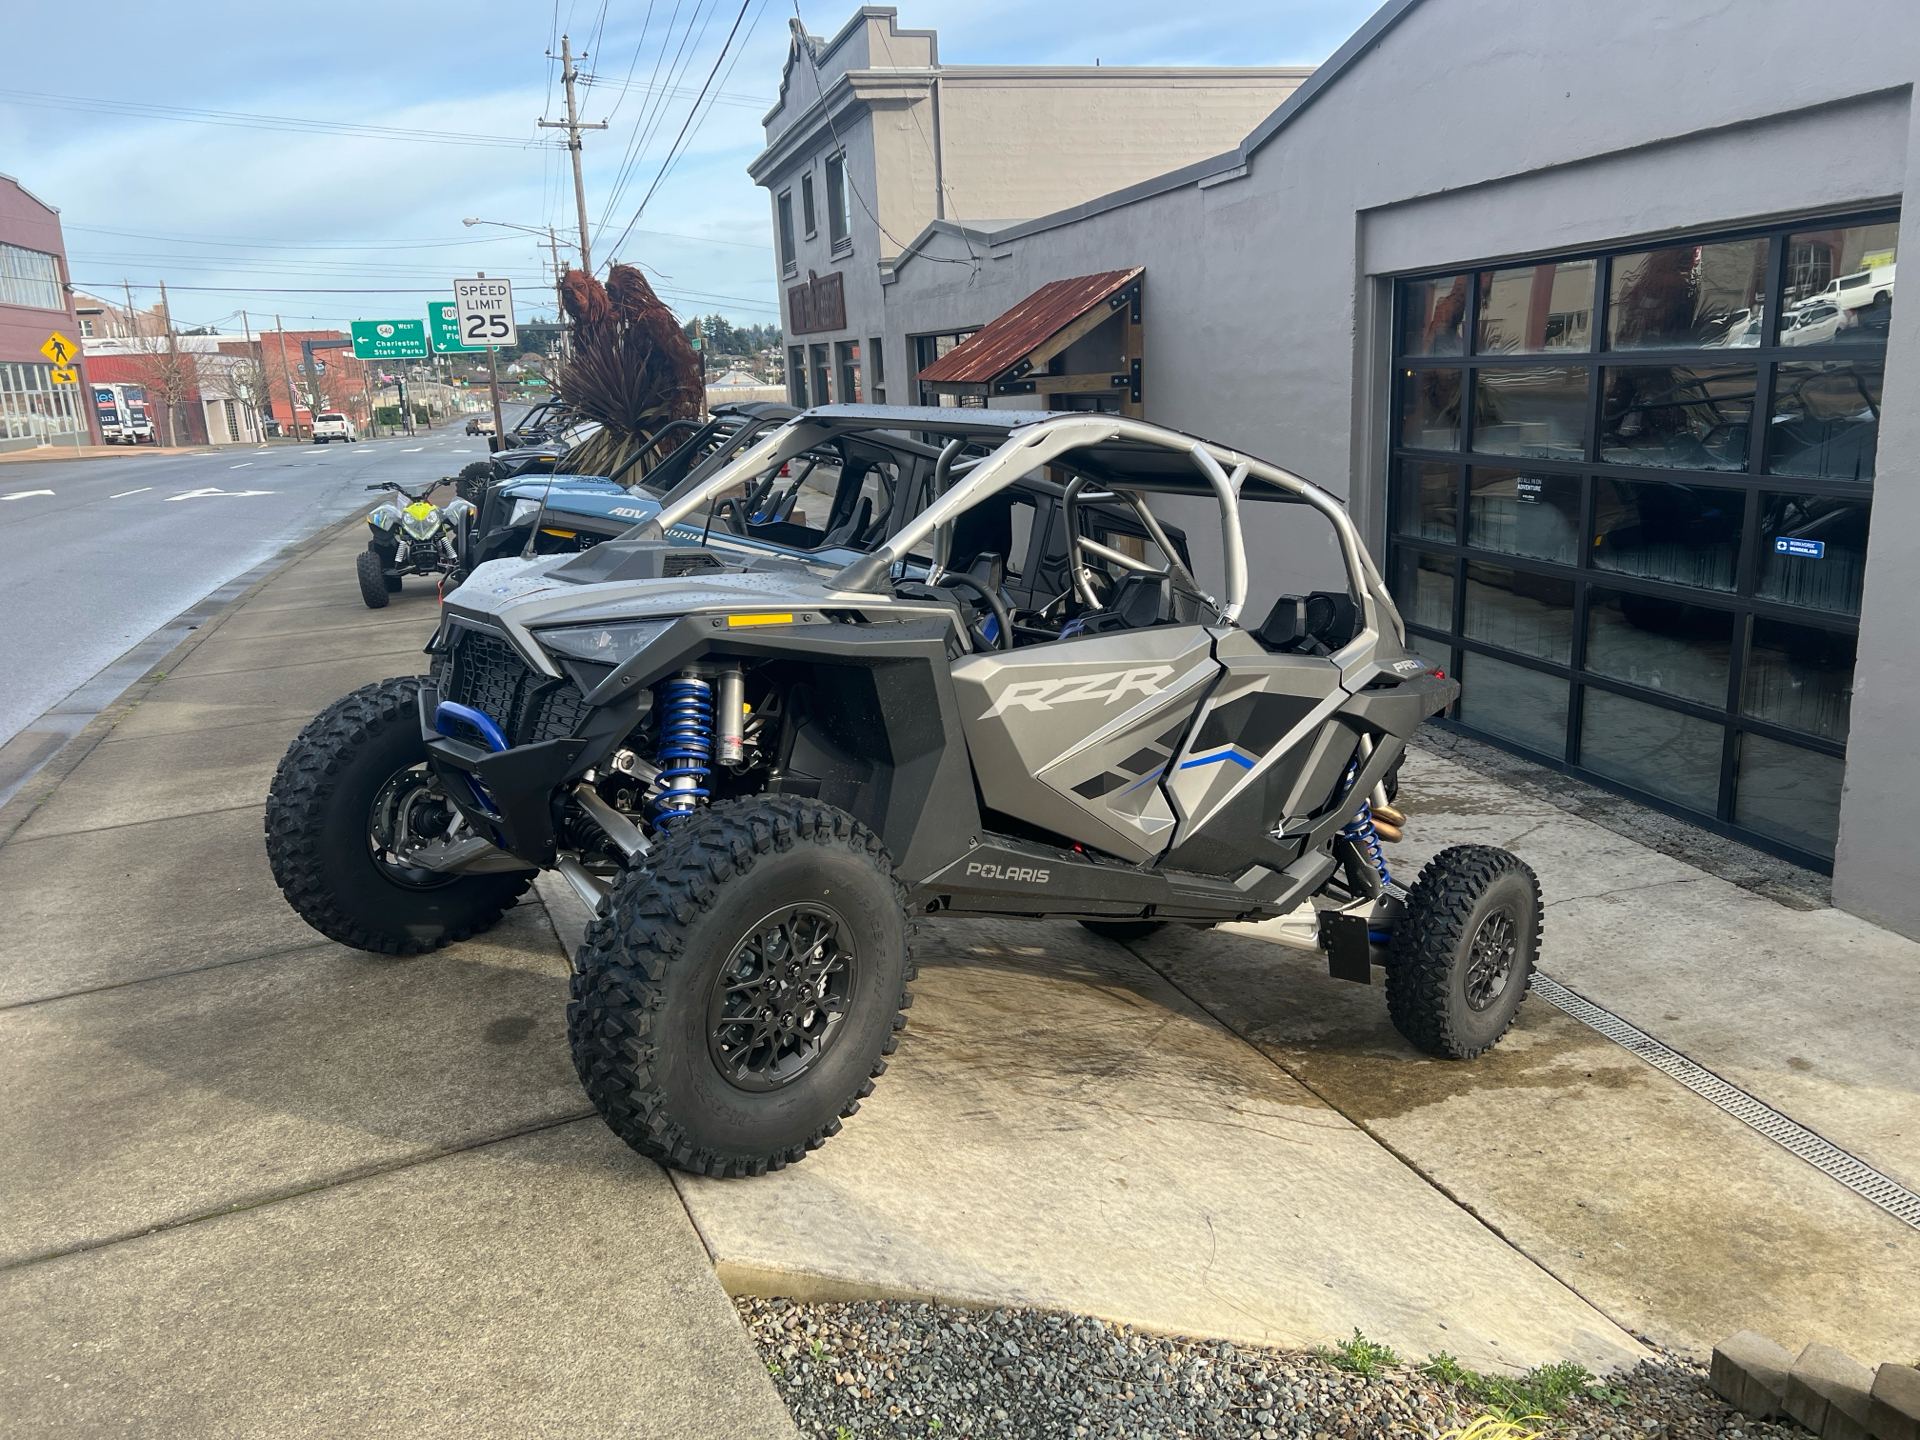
(1002, 616)
(734, 513)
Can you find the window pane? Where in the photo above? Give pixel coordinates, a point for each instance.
(1800, 677)
(1664, 645)
(1686, 417)
(1684, 534)
(1433, 315)
(1687, 295)
(1518, 610)
(1660, 751)
(1430, 409)
(1514, 703)
(1521, 514)
(1423, 588)
(1839, 286)
(1539, 412)
(1531, 309)
(1813, 551)
(1426, 499)
(1826, 419)
(1788, 793)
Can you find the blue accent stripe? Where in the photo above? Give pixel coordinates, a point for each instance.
(1242, 761)
(446, 713)
(1157, 772)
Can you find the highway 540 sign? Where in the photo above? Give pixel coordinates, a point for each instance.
(485, 308)
(389, 339)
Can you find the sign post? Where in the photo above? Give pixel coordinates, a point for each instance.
(66, 371)
(392, 340)
(485, 309)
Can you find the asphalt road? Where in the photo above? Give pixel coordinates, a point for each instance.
(96, 555)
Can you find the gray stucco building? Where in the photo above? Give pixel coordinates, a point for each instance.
(1589, 314)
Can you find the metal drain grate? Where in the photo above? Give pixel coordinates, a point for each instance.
(1822, 1154)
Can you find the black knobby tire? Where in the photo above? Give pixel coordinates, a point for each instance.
(1447, 991)
(1124, 929)
(373, 579)
(471, 483)
(650, 972)
(319, 810)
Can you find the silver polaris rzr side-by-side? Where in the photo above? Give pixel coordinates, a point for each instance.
(1022, 701)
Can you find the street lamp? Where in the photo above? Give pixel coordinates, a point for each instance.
(552, 243)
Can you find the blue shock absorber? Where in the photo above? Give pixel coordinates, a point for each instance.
(1360, 829)
(686, 741)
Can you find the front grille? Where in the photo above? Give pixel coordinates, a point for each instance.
(488, 674)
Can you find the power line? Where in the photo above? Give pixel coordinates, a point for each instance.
(647, 124)
(246, 120)
(673, 149)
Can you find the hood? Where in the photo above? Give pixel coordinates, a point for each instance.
(592, 501)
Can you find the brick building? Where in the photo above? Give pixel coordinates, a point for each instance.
(36, 302)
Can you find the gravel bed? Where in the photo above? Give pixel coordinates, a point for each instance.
(889, 1368)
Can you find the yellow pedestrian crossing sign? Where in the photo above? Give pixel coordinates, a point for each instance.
(64, 375)
(59, 349)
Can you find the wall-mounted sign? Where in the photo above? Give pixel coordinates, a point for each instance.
(1812, 549)
(818, 305)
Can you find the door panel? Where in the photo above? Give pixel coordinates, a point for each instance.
(1095, 720)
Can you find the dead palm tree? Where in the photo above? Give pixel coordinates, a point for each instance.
(631, 369)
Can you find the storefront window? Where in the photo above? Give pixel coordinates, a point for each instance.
(1533, 309)
(1537, 412)
(1688, 296)
(1674, 531)
(1518, 513)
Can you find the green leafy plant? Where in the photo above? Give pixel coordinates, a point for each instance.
(1359, 1355)
(1542, 1392)
(819, 1350)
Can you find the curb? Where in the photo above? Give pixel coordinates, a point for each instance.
(1824, 1389)
(64, 761)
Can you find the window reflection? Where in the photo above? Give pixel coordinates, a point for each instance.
(1521, 514)
(1839, 286)
(1430, 409)
(1686, 534)
(1532, 411)
(1826, 419)
(1709, 296)
(1813, 551)
(1788, 793)
(1518, 610)
(1800, 677)
(1517, 704)
(1423, 588)
(1433, 315)
(1658, 644)
(1531, 309)
(1662, 752)
(1676, 416)
(1426, 499)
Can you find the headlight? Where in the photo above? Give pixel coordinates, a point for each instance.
(603, 644)
(524, 512)
(421, 527)
(384, 517)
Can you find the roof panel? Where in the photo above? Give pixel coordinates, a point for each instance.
(1002, 342)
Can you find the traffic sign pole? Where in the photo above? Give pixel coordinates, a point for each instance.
(485, 309)
(493, 375)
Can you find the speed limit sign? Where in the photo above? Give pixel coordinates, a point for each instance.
(486, 311)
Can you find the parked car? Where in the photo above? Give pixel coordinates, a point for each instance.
(332, 425)
(480, 425)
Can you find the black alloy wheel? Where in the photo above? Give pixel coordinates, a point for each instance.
(1490, 960)
(409, 811)
(777, 1008)
(1462, 955)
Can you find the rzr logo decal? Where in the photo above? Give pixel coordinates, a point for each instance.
(1043, 695)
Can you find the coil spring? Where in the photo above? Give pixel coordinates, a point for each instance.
(686, 741)
(1360, 829)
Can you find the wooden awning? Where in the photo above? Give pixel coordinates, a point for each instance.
(999, 358)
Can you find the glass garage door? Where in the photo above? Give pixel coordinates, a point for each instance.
(1629, 510)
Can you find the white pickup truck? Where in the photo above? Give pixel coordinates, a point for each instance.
(332, 425)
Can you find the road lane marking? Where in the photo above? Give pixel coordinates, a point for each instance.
(210, 490)
(241, 466)
(124, 493)
(414, 451)
(23, 494)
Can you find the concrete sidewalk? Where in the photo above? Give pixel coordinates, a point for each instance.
(262, 1184)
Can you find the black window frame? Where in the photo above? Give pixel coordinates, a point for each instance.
(809, 212)
(839, 213)
(1754, 481)
(789, 251)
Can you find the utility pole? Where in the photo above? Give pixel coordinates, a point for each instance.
(293, 405)
(499, 440)
(173, 367)
(573, 127)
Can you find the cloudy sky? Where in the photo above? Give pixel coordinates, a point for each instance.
(295, 160)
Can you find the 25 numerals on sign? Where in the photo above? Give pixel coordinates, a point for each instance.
(486, 329)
